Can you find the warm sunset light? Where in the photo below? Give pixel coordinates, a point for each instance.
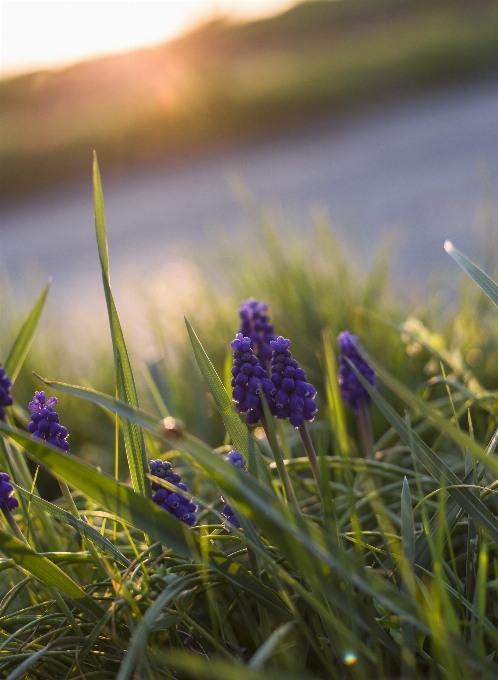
(52, 33)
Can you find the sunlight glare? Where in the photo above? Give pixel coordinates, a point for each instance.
(52, 33)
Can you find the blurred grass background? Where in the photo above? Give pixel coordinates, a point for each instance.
(227, 82)
(311, 281)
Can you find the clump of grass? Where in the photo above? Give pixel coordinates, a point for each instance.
(343, 562)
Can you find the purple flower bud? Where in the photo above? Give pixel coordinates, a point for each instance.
(176, 504)
(5, 395)
(294, 390)
(6, 493)
(247, 380)
(256, 327)
(352, 391)
(239, 393)
(45, 421)
(281, 398)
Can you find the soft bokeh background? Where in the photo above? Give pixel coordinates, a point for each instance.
(235, 155)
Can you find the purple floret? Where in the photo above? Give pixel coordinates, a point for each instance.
(5, 395)
(7, 500)
(44, 423)
(294, 395)
(237, 460)
(175, 503)
(255, 325)
(248, 377)
(352, 391)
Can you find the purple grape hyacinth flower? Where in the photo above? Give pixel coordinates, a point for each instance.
(237, 460)
(5, 395)
(174, 502)
(45, 423)
(293, 394)
(256, 326)
(248, 377)
(352, 391)
(7, 499)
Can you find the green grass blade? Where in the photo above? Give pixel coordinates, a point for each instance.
(142, 513)
(24, 339)
(48, 573)
(407, 565)
(407, 525)
(239, 433)
(336, 408)
(133, 435)
(430, 460)
(83, 527)
(267, 649)
(484, 282)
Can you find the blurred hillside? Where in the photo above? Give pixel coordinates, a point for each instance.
(226, 82)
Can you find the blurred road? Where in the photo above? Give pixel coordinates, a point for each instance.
(411, 164)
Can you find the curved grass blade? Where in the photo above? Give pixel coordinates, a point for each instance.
(48, 573)
(484, 282)
(239, 433)
(25, 337)
(143, 514)
(133, 435)
(83, 527)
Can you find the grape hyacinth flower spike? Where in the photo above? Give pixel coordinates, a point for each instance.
(9, 503)
(248, 377)
(293, 395)
(7, 500)
(255, 325)
(237, 460)
(174, 502)
(5, 395)
(45, 423)
(352, 391)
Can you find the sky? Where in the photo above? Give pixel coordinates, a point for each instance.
(53, 33)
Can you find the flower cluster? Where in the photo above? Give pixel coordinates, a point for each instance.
(237, 460)
(352, 391)
(293, 395)
(173, 502)
(256, 326)
(44, 422)
(5, 396)
(248, 376)
(7, 499)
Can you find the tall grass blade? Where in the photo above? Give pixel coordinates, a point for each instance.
(483, 280)
(133, 435)
(22, 343)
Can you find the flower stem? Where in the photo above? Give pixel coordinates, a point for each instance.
(289, 493)
(364, 423)
(310, 451)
